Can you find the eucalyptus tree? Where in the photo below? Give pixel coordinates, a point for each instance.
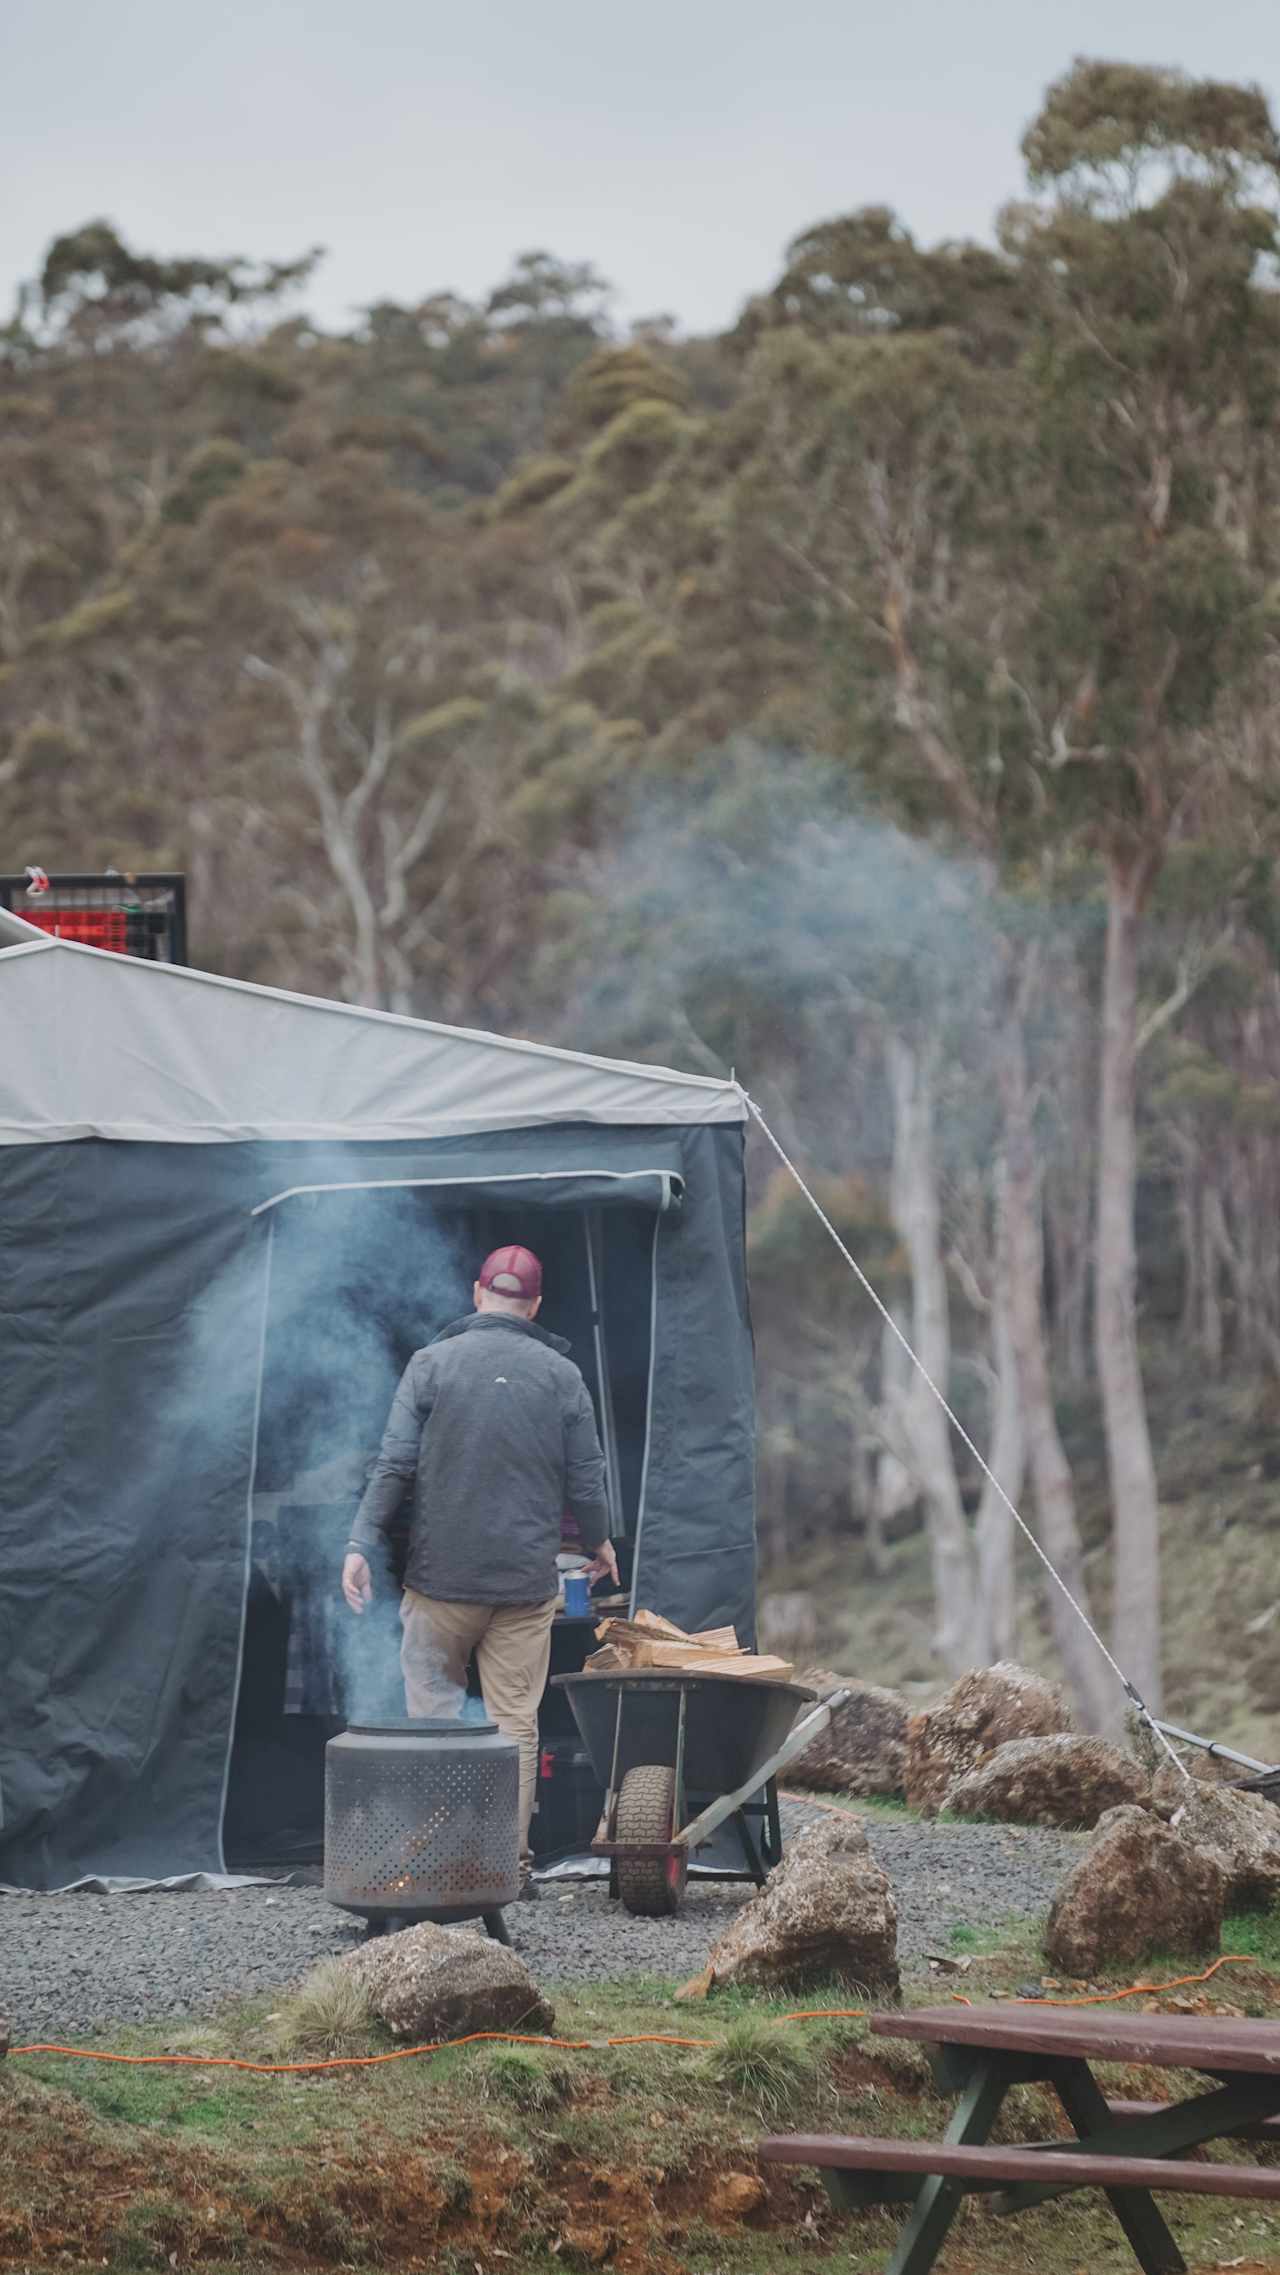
(1149, 264)
(1015, 500)
(885, 479)
(748, 916)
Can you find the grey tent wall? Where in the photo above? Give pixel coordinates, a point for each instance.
(130, 1280)
(122, 1514)
(696, 1559)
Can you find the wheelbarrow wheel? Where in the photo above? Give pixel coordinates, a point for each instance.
(653, 1887)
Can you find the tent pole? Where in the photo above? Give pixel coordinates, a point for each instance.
(248, 1535)
(608, 1423)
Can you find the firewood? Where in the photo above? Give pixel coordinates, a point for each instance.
(644, 1631)
(655, 1624)
(679, 1655)
(707, 1638)
(678, 1658)
(751, 1663)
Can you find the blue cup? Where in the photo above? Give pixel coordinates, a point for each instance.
(577, 1594)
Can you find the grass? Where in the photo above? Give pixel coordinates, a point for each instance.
(526, 2080)
(974, 1942)
(329, 2014)
(765, 2065)
(1254, 1935)
(1013, 1943)
(515, 2158)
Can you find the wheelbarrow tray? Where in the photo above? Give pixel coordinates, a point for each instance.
(702, 1749)
(733, 1724)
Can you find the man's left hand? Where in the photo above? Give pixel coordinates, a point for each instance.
(357, 1580)
(604, 1564)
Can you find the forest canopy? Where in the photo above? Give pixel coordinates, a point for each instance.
(878, 698)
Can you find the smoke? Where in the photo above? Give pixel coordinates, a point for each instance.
(759, 917)
(355, 1282)
(359, 1280)
(755, 919)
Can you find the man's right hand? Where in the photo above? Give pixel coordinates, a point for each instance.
(357, 1580)
(604, 1564)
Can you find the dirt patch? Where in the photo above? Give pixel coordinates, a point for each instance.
(72, 2186)
(637, 2162)
(853, 2070)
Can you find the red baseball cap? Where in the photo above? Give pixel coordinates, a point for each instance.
(512, 1271)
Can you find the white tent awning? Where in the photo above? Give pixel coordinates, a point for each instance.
(101, 1045)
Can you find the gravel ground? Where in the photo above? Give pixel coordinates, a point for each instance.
(73, 1965)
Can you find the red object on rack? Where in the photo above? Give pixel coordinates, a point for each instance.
(95, 927)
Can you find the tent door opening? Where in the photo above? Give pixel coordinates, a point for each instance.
(359, 1279)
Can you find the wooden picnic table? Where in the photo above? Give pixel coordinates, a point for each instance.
(978, 2052)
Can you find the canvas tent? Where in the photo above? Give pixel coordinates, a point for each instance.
(226, 1216)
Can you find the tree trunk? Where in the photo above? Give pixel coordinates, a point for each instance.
(961, 1637)
(895, 1487)
(1068, 1228)
(1134, 1500)
(776, 1443)
(865, 1511)
(1067, 1194)
(1214, 1246)
(994, 1529)
(1092, 1686)
(1187, 1184)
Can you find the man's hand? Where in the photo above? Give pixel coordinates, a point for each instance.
(603, 1562)
(357, 1580)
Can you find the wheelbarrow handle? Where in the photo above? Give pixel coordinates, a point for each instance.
(798, 1737)
(811, 1725)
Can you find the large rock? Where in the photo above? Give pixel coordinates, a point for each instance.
(1169, 1788)
(1240, 1831)
(433, 1982)
(1062, 1780)
(827, 1910)
(982, 1710)
(1138, 1888)
(1159, 1758)
(864, 1750)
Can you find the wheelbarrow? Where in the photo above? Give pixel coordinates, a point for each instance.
(680, 1754)
(1265, 1777)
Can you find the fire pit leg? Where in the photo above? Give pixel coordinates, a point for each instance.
(497, 1928)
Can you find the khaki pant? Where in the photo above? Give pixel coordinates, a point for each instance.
(512, 1643)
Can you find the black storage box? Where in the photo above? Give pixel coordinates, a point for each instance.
(570, 1800)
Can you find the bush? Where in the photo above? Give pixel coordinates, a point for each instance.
(759, 2063)
(328, 2014)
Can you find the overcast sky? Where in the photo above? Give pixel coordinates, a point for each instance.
(677, 144)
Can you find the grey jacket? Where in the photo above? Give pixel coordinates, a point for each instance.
(494, 1424)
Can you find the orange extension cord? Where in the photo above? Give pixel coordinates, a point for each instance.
(407, 2053)
(1139, 1990)
(571, 2045)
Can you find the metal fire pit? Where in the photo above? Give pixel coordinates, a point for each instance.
(421, 1822)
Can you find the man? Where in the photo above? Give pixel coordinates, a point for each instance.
(494, 1422)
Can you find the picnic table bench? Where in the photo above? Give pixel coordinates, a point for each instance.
(1127, 2149)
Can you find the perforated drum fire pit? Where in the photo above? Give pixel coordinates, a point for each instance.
(421, 1822)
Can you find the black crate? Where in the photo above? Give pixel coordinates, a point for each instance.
(141, 915)
(570, 1800)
